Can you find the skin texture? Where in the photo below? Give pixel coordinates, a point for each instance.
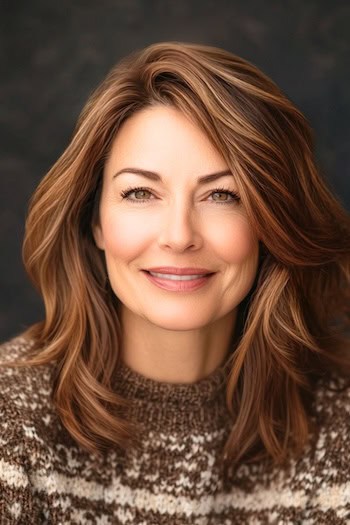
(172, 336)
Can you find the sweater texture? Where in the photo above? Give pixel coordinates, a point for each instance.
(175, 476)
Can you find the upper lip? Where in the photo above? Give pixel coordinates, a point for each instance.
(179, 271)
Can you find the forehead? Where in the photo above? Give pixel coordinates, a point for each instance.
(162, 138)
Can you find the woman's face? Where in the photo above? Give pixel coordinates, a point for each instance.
(172, 220)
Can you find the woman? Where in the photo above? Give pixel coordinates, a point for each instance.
(195, 267)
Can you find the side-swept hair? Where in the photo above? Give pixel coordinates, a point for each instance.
(292, 323)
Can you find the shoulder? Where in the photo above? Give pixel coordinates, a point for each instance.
(25, 435)
(325, 470)
(331, 405)
(15, 348)
(25, 393)
(23, 385)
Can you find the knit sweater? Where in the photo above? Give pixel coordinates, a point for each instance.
(175, 477)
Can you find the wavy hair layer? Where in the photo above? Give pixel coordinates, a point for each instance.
(291, 324)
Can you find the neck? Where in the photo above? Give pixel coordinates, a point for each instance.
(175, 356)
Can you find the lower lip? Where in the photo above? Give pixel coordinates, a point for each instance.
(179, 286)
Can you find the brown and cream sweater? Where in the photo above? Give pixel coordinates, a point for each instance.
(175, 477)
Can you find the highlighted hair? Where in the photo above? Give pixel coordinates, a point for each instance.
(290, 327)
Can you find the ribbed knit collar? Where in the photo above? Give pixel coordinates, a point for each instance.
(132, 385)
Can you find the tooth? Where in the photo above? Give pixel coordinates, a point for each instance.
(173, 277)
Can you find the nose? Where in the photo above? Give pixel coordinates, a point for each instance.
(179, 230)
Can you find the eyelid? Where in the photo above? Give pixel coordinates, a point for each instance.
(133, 189)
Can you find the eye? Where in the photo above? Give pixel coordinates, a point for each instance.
(224, 191)
(125, 194)
(231, 196)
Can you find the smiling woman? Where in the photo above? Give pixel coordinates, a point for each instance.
(192, 366)
(179, 222)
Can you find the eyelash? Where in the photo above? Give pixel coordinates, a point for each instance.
(125, 194)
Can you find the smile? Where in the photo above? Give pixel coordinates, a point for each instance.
(176, 277)
(178, 283)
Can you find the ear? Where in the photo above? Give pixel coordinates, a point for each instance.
(98, 236)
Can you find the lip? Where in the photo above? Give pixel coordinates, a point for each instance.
(178, 286)
(179, 271)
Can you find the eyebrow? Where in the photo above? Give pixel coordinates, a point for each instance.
(155, 176)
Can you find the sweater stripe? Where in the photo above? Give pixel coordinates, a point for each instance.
(331, 497)
(12, 475)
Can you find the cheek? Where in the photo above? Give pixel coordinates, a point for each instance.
(125, 235)
(235, 243)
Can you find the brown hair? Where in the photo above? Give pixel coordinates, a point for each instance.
(291, 324)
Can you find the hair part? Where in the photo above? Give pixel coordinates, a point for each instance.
(290, 327)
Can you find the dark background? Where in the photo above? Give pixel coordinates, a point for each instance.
(53, 54)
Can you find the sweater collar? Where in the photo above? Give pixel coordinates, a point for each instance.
(132, 385)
